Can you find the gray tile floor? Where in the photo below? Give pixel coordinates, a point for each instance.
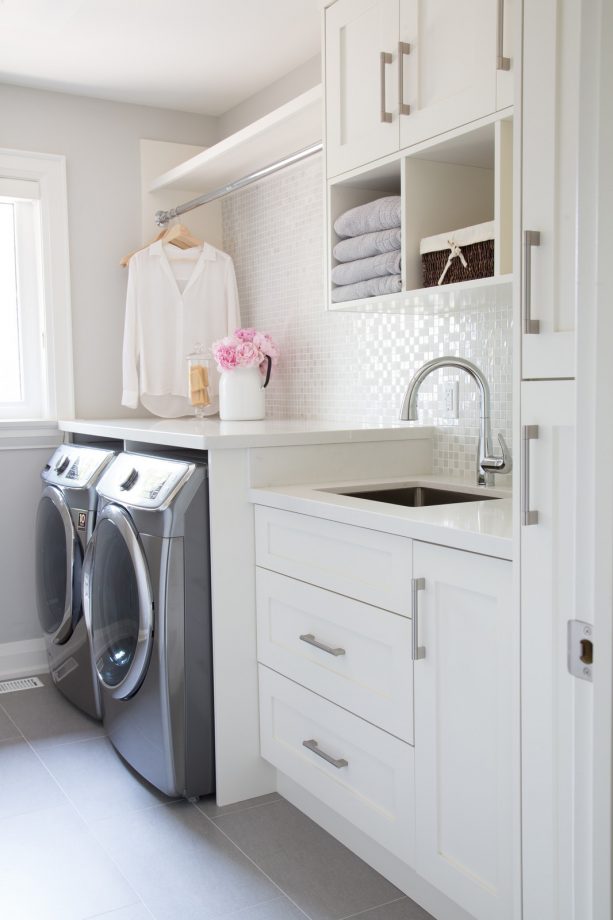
(83, 837)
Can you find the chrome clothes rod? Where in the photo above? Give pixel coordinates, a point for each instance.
(162, 217)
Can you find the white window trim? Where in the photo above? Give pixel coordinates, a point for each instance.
(49, 171)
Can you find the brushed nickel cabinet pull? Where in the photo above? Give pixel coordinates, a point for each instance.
(530, 326)
(528, 517)
(417, 651)
(338, 762)
(385, 57)
(403, 48)
(310, 639)
(502, 63)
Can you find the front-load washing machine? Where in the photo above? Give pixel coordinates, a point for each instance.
(64, 523)
(147, 599)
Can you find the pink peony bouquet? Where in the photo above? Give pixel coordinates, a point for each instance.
(246, 348)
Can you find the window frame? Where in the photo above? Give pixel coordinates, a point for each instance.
(49, 171)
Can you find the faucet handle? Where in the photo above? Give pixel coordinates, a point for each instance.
(503, 464)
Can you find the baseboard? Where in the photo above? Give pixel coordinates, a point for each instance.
(23, 659)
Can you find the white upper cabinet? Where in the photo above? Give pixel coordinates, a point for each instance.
(361, 82)
(549, 187)
(399, 72)
(466, 718)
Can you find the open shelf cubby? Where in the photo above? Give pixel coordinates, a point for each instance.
(454, 183)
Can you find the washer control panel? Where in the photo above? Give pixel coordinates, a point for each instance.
(143, 482)
(75, 467)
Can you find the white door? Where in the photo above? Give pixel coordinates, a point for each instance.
(549, 187)
(466, 739)
(361, 50)
(556, 707)
(449, 65)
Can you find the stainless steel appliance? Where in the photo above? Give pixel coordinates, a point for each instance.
(146, 585)
(64, 523)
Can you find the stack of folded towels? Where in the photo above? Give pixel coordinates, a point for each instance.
(370, 253)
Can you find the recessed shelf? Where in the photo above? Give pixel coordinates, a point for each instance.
(284, 131)
(448, 298)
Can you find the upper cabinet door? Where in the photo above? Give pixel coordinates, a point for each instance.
(549, 187)
(361, 82)
(449, 58)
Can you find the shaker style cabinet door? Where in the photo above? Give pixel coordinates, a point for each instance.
(466, 735)
(447, 53)
(550, 104)
(361, 79)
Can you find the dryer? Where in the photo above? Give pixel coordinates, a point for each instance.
(64, 523)
(147, 599)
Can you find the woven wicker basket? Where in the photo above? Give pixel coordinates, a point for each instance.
(476, 245)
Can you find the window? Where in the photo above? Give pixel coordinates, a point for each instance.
(35, 323)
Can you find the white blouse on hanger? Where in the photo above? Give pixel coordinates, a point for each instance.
(166, 317)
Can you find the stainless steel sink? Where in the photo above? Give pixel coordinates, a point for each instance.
(415, 496)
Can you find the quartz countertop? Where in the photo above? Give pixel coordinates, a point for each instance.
(213, 434)
(483, 527)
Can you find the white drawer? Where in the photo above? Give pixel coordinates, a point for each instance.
(372, 783)
(366, 666)
(371, 566)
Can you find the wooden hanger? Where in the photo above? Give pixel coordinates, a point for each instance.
(178, 235)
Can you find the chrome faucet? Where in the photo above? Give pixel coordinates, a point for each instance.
(487, 462)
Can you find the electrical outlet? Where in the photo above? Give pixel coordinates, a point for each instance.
(451, 399)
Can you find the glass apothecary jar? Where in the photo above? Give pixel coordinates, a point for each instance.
(198, 381)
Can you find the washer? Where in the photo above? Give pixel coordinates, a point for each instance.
(147, 599)
(64, 523)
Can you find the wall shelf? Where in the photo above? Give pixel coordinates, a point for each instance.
(289, 128)
(448, 298)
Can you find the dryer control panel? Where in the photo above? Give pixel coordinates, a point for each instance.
(76, 467)
(144, 482)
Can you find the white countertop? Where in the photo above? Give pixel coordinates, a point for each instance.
(213, 434)
(478, 526)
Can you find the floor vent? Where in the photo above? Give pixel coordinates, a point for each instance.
(23, 683)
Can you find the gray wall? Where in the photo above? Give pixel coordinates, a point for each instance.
(101, 143)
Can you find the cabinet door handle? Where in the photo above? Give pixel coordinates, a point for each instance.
(310, 639)
(403, 48)
(385, 57)
(338, 762)
(502, 63)
(530, 326)
(528, 433)
(417, 651)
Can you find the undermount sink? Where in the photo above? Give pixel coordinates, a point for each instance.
(415, 496)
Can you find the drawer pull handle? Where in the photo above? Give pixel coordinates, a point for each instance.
(310, 639)
(417, 651)
(528, 517)
(385, 58)
(531, 326)
(502, 63)
(403, 48)
(338, 762)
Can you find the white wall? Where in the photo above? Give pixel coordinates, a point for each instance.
(101, 143)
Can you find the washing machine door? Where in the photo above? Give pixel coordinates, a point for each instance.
(118, 603)
(58, 560)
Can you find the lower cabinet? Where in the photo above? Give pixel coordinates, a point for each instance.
(404, 725)
(464, 717)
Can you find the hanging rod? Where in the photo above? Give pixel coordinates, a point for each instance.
(162, 217)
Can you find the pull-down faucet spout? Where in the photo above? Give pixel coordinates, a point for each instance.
(487, 462)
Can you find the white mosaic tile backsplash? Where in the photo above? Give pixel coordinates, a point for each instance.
(346, 367)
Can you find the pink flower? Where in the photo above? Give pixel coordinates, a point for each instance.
(265, 344)
(247, 355)
(225, 355)
(245, 335)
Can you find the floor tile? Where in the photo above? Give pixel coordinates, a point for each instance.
(317, 872)
(46, 718)
(279, 909)
(8, 729)
(181, 865)
(25, 785)
(405, 909)
(208, 806)
(51, 868)
(133, 912)
(97, 781)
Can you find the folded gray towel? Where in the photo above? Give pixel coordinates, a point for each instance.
(366, 245)
(386, 263)
(388, 284)
(382, 214)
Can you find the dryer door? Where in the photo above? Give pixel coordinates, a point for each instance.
(58, 567)
(118, 603)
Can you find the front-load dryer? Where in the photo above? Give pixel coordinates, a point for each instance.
(64, 523)
(147, 599)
